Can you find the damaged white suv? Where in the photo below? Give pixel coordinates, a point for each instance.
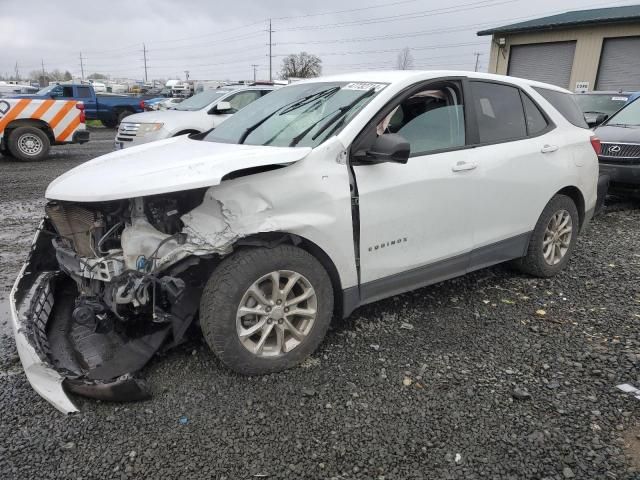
(315, 199)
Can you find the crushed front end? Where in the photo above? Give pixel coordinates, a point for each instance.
(105, 286)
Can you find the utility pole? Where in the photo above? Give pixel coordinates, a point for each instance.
(43, 74)
(81, 66)
(144, 54)
(186, 74)
(254, 71)
(17, 72)
(477, 54)
(270, 53)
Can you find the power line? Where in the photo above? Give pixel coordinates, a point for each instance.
(336, 12)
(407, 16)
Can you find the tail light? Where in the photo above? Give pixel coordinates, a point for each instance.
(595, 143)
(83, 116)
(142, 104)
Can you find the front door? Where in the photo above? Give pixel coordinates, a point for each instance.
(415, 225)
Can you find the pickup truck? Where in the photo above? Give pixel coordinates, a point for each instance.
(109, 109)
(28, 126)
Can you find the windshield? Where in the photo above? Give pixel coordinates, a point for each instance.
(46, 90)
(629, 115)
(299, 115)
(599, 103)
(201, 100)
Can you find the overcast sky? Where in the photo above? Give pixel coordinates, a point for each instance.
(221, 40)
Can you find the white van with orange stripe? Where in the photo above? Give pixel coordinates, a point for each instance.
(28, 127)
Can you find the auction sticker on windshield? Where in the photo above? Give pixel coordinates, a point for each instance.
(364, 86)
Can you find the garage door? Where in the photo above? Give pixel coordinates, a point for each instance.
(619, 64)
(545, 62)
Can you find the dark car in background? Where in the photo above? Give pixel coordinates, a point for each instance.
(620, 150)
(598, 106)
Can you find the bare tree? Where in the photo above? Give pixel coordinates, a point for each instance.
(97, 76)
(405, 59)
(301, 65)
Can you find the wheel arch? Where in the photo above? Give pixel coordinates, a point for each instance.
(30, 122)
(273, 239)
(576, 195)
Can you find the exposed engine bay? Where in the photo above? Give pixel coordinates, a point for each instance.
(129, 284)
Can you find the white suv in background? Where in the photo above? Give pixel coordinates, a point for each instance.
(318, 198)
(197, 114)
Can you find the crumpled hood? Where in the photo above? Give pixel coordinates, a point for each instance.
(170, 165)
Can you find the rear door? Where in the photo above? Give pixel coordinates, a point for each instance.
(415, 218)
(85, 94)
(517, 153)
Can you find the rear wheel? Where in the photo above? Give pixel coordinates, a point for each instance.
(266, 309)
(28, 144)
(553, 238)
(122, 115)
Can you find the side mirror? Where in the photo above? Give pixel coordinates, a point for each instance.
(600, 118)
(222, 107)
(389, 147)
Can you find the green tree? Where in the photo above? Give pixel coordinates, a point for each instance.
(301, 65)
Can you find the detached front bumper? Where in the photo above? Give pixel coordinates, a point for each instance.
(31, 302)
(59, 356)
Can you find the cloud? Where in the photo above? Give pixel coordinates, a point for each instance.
(217, 40)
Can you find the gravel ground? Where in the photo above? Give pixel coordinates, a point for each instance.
(462, 380)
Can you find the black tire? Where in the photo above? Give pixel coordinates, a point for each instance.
(122, 115)
(109, 123)
(28, 144)
(534, 262)
(224, 293)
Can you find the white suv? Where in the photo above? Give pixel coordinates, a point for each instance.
(317, 198)
(197, 114)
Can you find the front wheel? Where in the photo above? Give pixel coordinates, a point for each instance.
(266, 309)
(28, 144)
(553, 238)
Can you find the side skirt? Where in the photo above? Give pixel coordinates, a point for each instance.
(505, 250)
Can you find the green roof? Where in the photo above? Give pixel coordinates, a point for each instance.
(571, 19)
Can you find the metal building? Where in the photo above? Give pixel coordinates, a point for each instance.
(582, 50)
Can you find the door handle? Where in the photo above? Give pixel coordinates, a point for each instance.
(462, 166)
(549, 148)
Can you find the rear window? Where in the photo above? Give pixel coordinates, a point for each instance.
(565, 104)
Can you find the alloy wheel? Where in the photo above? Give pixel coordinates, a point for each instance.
(276, 313)
(557, 237)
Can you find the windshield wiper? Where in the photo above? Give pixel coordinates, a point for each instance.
(341, 113)
(289, 107)
(336, 114)
(623, 125)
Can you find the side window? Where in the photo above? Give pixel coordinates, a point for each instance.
(430, 120)
(242, 99)
(56, 91)
(84, 92)
(67, 91)
(536, 122)
(499, 112)
(565, 104)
